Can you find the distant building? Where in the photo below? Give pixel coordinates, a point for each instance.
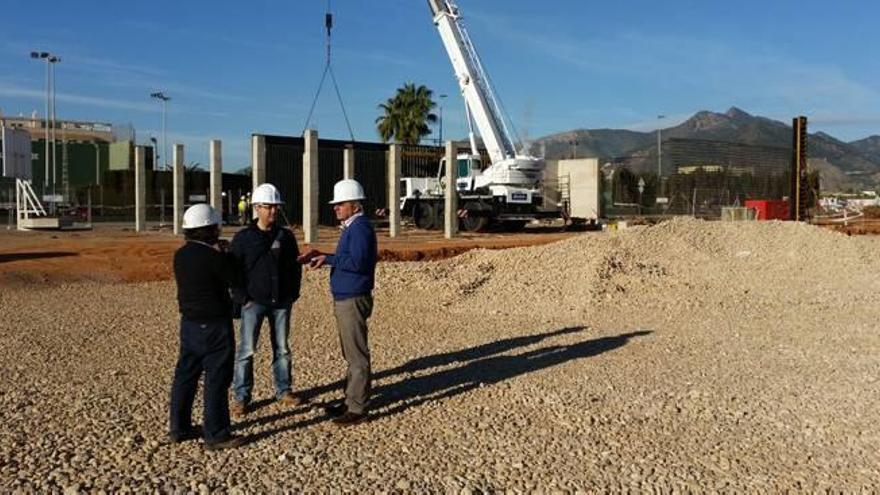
(66, 130)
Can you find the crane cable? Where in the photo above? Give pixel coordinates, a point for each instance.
(328, 68)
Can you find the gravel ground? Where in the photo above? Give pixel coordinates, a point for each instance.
(688, 356)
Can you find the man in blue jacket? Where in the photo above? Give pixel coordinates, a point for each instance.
(352, 276)
(266, 255)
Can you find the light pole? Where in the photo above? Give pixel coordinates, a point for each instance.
(164, 99)
(442, 97)
(659, 149)
(53, 59)
(45, 56)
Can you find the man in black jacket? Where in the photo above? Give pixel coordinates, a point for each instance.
(266, 255)
(203, 272)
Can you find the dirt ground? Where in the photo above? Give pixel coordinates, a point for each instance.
(115, 253)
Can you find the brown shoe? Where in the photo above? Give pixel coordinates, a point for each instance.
(289, 399)
(350, 419)
(238, 409)
(230, 442)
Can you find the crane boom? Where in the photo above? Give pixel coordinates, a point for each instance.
(473, 81)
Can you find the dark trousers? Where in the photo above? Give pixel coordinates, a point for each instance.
(351, 321)
(206, 347)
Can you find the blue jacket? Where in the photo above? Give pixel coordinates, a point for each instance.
(353, 270)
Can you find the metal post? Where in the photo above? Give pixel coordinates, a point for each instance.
(54, 145)
(659, 150)
(48, 114)
(97, 164)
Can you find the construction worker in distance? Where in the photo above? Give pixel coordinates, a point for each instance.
(266, 256)
(352, 276)
(242, 211)
(204, 272)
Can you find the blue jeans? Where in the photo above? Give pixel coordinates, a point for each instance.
(249, 333)
(205, 347)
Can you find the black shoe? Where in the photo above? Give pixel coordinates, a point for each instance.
(336, 411)
(349, 419)
(230, 442)
(191, 433)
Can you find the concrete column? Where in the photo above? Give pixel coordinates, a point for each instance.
(348, 163)
(140, 189)
(178, 188)
(216, 175)
(310, 187)
(394, 154)
(258, 160)
(450, 205)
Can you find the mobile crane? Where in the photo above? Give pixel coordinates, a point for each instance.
(507, 191)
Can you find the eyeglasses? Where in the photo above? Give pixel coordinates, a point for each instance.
(268, 207)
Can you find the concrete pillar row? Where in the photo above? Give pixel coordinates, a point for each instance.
(450, 205)
(216, 158)
(310, 187)
(348, 163)
(394, 160)
(140, 189)
(177, 185)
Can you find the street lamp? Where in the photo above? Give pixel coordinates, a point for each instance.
(45, 56)
(442, 97)
(164, 99)
(659, 149)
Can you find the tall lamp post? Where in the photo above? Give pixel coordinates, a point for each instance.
(45, 56)
(164, 99)
(659, 149)
(442, 97)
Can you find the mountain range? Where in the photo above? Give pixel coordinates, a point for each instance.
(842, 165)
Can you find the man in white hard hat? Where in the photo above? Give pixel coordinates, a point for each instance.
(266, 255)
(203, 272)
(352, 277)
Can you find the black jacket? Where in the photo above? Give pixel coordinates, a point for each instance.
(203, 277)
(268, 277)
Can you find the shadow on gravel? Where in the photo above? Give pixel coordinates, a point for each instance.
(480, 366)
(447, 358)
(477, 373)
(7, 257)
(419, 364)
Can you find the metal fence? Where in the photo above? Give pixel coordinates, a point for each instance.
(699, 178)
(284, 160)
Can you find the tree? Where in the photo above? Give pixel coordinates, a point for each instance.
(405, 116)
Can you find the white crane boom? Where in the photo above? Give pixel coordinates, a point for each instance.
(474, 82)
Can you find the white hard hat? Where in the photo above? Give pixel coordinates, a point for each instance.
(200, 215)
(347, 190)
(266, 194)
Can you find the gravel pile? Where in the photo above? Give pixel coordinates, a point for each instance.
(688, 355)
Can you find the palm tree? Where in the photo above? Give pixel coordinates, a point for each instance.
(405, 117)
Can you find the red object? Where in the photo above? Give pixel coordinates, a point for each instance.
(769, 209)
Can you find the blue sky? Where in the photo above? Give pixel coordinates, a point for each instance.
(236, 68)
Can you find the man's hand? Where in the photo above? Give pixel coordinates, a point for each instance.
(317, 261)
(306, 257)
